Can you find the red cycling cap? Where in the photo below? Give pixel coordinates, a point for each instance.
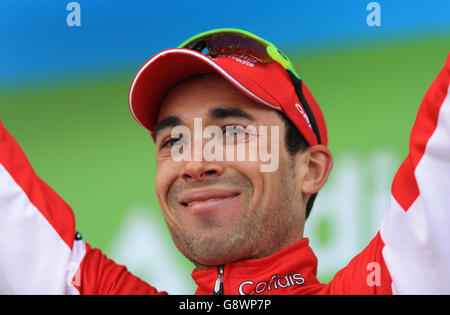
(268, 84)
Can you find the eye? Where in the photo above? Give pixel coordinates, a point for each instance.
(233, 130)
(171, 141)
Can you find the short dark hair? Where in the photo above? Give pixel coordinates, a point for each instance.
(295, 142)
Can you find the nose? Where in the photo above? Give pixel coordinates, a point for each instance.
(201, 170)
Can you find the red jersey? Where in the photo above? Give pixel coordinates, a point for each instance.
(40, 251)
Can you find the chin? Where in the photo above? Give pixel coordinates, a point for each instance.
(216, 259)
(213, 252)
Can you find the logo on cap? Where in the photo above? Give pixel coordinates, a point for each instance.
(245, 60)
(302, 112)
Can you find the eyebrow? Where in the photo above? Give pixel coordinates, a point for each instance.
(213, 114)
(171, 121)
(225, 112)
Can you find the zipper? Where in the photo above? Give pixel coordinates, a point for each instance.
(218, 287)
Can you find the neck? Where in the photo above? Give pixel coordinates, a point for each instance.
(257, 254)
(283, 272)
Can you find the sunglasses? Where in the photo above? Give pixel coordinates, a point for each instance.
(234, 41)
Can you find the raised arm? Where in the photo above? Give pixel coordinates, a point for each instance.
(37, 228)
(411, 252)
(416, 229)
(40, 251)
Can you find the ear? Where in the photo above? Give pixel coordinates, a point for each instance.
(319, 163)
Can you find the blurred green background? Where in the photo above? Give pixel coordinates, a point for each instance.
(71, 118)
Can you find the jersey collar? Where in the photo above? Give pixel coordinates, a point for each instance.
(291, 270)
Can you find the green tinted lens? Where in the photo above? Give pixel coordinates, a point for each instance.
(235, 41)
(227, 43)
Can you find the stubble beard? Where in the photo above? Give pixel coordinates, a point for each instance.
(261, 230)
(217, 246)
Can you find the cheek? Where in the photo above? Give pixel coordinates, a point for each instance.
(166, 173)
(279, 186)
(254, 181)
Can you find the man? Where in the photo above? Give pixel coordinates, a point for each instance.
(240, 223)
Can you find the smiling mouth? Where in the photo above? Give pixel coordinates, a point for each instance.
(191, 203)
(206, 200)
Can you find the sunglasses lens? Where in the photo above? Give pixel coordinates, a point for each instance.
(233, 44)
(220, 43)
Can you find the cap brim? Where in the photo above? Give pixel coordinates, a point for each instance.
(268, 84)
(170, 66)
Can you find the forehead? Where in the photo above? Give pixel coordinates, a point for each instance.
(195, 96)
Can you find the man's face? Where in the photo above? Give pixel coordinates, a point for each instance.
(222, 211)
